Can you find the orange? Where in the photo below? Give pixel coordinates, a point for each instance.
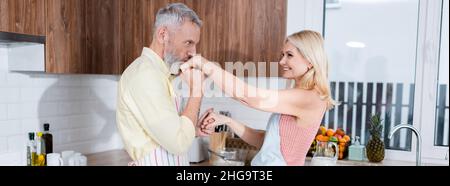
(347, 138)
(319, 137)
(322, 138)
(330, 132)
(340, 132)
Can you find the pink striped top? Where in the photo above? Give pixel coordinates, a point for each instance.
(295, 140)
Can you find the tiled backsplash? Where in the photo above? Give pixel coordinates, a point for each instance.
(80, 110)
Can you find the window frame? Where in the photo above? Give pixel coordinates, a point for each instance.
(426, 80)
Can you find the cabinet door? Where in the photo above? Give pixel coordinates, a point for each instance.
(247, 31)
(102, 43)
(131, 31)
(23, 16)
(66, 38)
(114, 35)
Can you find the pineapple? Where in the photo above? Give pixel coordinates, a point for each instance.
(375, 146)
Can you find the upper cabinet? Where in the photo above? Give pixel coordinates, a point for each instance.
(93, 37)
(242, 30)
(105, 36)
(66, 37)
(102, 43)
(131, 31)
(23, 16)
(247, 31)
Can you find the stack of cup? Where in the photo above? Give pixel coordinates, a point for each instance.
(54, 159)
(66, 158)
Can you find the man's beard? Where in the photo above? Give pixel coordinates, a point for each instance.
(173, 62)
(171, 58)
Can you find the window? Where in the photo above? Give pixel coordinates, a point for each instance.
(390, 57)
(442, 119)
(372, 47)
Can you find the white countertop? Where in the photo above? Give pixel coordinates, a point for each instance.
(121, 158)
(367, 163)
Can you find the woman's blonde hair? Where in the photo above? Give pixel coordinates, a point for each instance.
(310, 44)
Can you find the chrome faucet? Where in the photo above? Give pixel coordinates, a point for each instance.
(446, 156)
(419, 140)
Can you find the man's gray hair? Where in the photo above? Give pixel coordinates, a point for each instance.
(174, 15)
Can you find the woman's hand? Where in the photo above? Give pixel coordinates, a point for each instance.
(213, 120)
(200, 132)
(199, 63)
(194, 78)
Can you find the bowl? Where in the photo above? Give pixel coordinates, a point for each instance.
(229, 157)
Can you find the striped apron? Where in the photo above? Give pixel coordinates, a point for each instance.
(160, 156)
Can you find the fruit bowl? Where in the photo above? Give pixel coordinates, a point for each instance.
(329, 135)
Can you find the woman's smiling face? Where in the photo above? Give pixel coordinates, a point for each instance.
(292, 63)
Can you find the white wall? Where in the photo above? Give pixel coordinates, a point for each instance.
(79, 108)
(304, 14)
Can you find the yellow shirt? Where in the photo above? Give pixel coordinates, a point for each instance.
(147, 117)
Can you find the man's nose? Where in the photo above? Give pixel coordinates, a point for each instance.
(282, 62)
(193, 51)
(190, 55)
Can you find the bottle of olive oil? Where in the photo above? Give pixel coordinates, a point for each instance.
(48, 139)
(31, 150)
(40, 151)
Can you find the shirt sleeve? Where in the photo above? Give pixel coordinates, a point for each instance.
(161, 120)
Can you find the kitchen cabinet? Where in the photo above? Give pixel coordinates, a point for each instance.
(114, 35)
(93, 37)
(66, 37)
(105, 36)
(248, 31)
(102, 43)
(23, 16)
(131, 35)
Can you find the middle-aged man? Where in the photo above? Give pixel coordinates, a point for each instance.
(154, 129)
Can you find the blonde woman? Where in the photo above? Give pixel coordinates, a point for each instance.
(298, 110)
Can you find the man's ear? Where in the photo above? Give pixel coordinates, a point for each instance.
(162, 35)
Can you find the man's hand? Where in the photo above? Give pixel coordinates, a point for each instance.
(203, 132)
(213, 120)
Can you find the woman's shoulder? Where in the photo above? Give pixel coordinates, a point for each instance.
(273, 120)
(310, 99)
(275, 117)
